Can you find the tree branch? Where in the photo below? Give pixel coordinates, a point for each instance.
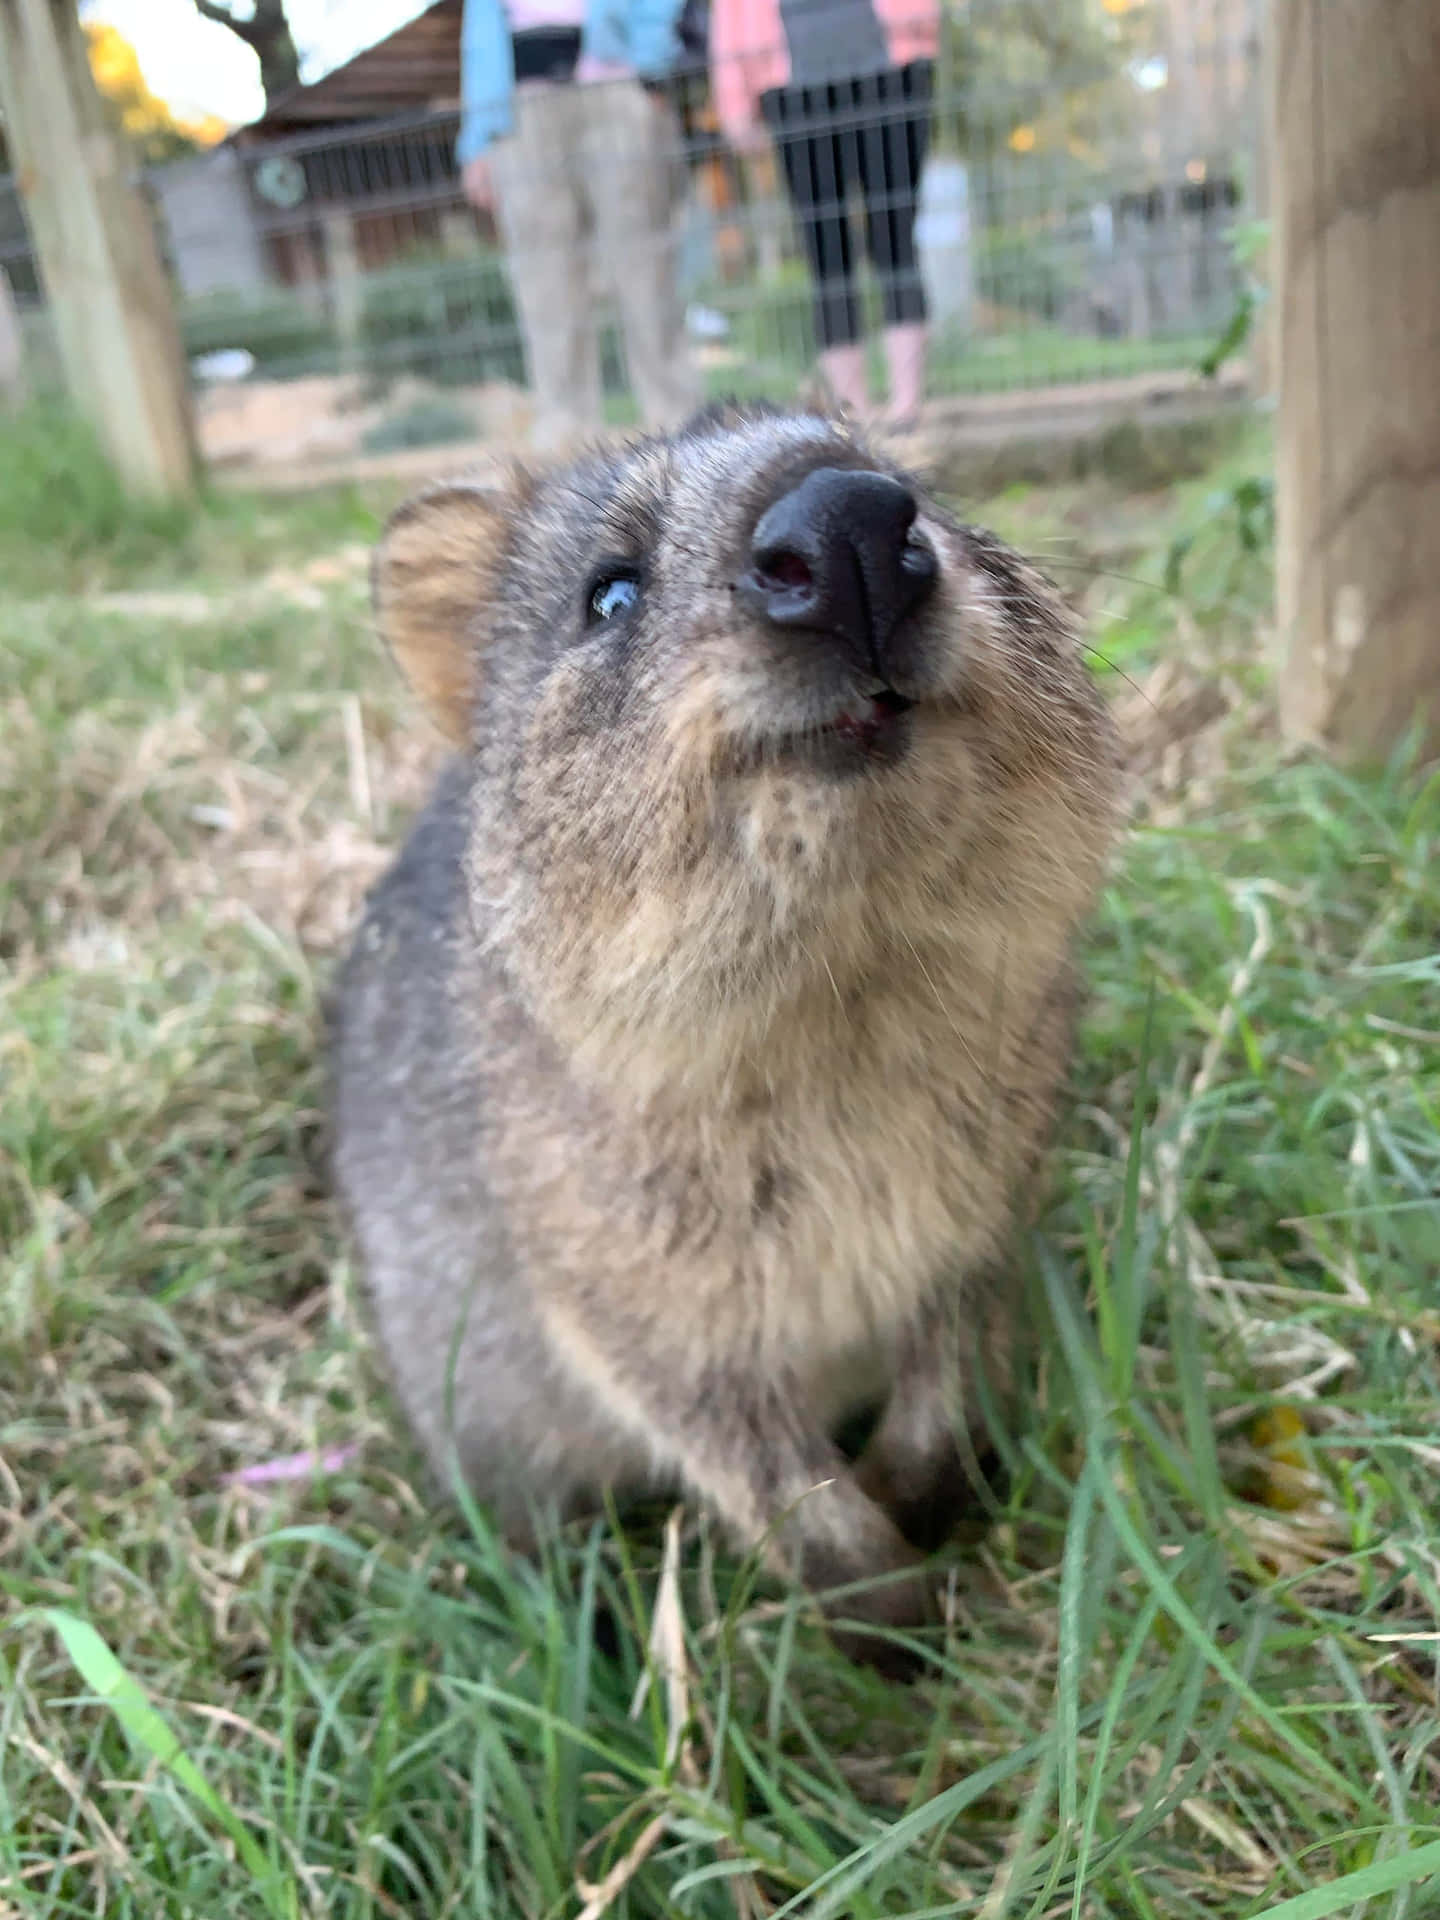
(251, 31)
(267, 34)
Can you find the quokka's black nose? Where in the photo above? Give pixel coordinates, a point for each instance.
(837, 556)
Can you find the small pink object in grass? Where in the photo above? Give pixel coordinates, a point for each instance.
(292, 1466)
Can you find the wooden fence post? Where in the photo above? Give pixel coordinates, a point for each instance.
(347, 289)
(1355, 185)
(97, 250)
(12, 347)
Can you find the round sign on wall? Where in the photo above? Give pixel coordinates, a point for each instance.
(280, 179)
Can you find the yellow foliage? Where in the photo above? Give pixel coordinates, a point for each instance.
(206, 131)
(1022, 140)
(142, 116)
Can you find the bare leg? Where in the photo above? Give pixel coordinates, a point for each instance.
(905, 357)
(844, 370)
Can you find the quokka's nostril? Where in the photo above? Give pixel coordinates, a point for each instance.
(918, 561)
(783, 572)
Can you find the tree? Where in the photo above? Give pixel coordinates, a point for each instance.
(141, 117)
(1053, 71)
(1355, 195)
(266, 31)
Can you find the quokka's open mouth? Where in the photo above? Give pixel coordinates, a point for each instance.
(870, 732)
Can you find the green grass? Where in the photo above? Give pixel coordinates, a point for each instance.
(1192, 1671)
(68, 527)
(59, 498)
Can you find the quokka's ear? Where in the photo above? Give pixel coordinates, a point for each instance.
(432, 573)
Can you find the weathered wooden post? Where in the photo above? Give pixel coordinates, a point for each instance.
(12, 347)
(97, 250)
(1355, 195)
(347, 293)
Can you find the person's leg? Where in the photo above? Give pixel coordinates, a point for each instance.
(905, 352)
(634, 175)
(541, 219)
(846, 376)
(812, 155)
(892, 145)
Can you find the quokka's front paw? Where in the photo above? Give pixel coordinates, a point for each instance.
(862, 1622)
(929, 1507)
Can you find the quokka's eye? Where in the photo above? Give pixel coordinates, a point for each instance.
(613, 593)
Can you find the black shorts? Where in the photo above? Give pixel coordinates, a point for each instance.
(868, 134)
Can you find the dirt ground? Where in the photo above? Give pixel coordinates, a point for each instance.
(313, 430)
(254, 424)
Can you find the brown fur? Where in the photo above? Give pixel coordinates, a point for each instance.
(686, 1092)
(428, 578)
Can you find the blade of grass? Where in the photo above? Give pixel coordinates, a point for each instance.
(1366, 1883)
(841, 1880)
(149, 1732)
(1073, 1646)
(1064, 1311)
(1114, 1705)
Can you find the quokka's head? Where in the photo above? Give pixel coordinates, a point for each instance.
(745, 711)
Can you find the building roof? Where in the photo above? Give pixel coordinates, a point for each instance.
(414, 69)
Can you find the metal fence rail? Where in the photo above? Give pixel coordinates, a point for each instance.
(1093, 198)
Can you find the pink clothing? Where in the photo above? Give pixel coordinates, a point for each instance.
(523, 15)
(749, 56)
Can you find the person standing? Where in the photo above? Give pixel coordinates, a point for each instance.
(844, 88)
(566, 137)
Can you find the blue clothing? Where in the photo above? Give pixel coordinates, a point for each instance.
(640, 34)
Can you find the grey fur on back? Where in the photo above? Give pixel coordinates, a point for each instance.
(481, 1389)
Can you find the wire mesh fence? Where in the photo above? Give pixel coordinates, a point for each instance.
(1054, 185)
